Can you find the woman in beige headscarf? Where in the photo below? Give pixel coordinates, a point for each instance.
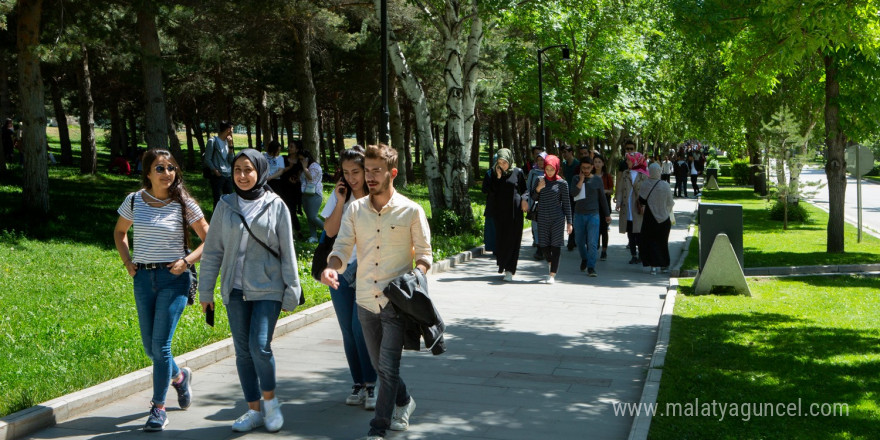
(656, 197)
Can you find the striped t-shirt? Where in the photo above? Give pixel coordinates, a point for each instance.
(158, 232)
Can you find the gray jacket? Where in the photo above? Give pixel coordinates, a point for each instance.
(215, 161)
(264, 277)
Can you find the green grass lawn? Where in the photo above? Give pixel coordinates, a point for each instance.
(807, 339)
(69, 319)
(766, 244)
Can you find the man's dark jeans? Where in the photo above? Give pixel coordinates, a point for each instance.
(383, 334)
(221, 185)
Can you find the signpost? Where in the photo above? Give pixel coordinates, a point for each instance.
(859, 161)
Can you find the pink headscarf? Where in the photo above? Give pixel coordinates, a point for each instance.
(554, 162)
(639, 162)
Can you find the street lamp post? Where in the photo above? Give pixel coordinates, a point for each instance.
(383, 28)
(542, 135)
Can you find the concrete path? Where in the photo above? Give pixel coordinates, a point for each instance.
(870, 199)
(525, 361)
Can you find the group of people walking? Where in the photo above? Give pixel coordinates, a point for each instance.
(572, 198)
(249, 245)
(296, 178)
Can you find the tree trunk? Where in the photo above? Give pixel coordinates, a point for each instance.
(117, 128)
(265, 126)
(61, 117)
(259, 128)
(89, 160)
(475, 153)
(190, 147)
(288, 123)
(407, 141)
(196, 124)
(247, 129)
(322, 147)
(273, 120)
(835, 167)
(361, 129)
(35, 187)
(491, 140)
(328, 130)
(5, 107)
(156, 121)
(337, 129)
(396, 125)
(133, 134)
(174, 141)
(302, 72)
(416, 95)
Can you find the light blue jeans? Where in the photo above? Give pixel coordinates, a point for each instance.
(160, 297)
(252, 324)
(586, 235)
(356, 353)
(311, 205)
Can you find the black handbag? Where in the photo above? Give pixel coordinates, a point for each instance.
(532, 214)
(319, 260)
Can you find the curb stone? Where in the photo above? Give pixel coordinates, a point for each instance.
(46, 414)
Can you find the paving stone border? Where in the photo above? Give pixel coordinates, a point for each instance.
(27, 421)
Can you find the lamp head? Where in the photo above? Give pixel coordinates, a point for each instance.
(566, 54)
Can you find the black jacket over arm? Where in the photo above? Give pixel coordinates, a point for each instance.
(408, 294)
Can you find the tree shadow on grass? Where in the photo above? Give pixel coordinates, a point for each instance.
(768, 358)
(758, 258)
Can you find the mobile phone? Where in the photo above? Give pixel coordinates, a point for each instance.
(209, 316)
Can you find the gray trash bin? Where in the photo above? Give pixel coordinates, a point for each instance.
(717, 218)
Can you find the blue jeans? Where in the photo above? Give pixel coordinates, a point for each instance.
(383, 333)
(312, 204)
(160, 297)
(586, 234)
(356, 353)
(252, 324)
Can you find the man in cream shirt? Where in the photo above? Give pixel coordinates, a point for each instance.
(391, 233)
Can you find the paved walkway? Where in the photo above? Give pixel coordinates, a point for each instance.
(525, 361)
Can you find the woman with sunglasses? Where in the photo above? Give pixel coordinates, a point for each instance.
(162, 212)
(251, 244)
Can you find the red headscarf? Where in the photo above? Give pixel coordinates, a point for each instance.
(554, 162)
(639, 162)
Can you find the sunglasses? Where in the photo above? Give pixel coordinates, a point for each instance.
(160, 169)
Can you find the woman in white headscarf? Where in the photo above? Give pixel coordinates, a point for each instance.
(655, 196)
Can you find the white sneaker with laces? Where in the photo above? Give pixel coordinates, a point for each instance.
(508, 276)
(400, 416)
(357, 396)
(248, 421)
(274, 418)
(370, 400)
(548, 280)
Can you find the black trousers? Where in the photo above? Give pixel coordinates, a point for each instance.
(552, 254)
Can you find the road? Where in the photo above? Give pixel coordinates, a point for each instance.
(870, 200)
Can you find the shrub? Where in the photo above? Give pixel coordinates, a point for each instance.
(796, 212)
(448, 223)
(874, 172)
(741, 170)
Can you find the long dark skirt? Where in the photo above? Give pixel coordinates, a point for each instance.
(654, 241)
(508, 237)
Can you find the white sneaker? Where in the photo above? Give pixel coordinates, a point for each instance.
(272, 414)
(370, 400)
(508, 276)
(548, 280)
(400, 416)
(248, 421)
(357, 396)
